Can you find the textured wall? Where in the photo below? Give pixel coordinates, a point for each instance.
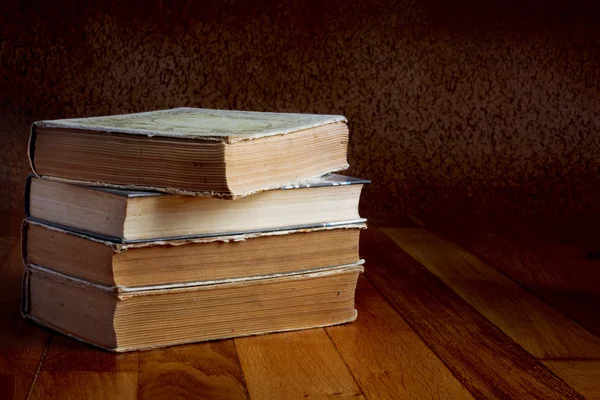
(453, 105)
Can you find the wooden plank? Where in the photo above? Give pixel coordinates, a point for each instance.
(387, 358)
(66, 354)
(554, 265)
(485, 360)
(21, 349)
(207, 370)
(582, 375)
(301, 364)
(542, 330)
(560, 274)
(22, 344)
(85, 385)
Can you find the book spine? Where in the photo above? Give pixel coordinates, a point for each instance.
(125, 292)
(27, 194)
(31, 149)
(24, 229)
(25, 295)
(114, 242)
(119, 244)
(170, 190)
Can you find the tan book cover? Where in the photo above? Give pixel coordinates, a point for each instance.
(190, 151)
(228, 126)
(129, 216)
(165, 316)
(186, 261)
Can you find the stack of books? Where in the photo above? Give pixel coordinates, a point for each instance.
(185, 225)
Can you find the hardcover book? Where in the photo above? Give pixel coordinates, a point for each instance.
(190, 150)
(131, 216)
(155, 317)
(184, 261)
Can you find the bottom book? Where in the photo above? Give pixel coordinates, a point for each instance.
(150, 317)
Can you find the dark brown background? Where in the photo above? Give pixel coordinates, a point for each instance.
(453, 105)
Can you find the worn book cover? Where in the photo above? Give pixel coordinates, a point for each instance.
(327, 180)
(217, 310)
(213, 127)
(119, 246)
(197, 123)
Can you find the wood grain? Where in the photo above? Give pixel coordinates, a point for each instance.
(386, 356)
(302, 364)
(485, 360)
(66, 354)
(22, 344)
(207, 370)
(582, 375)
(382, 354)
(542, 330)
(78, 385)
(561, 274)
(21, 348)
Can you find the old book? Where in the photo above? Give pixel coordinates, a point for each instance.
(224, 257)
(150, 318)
(130, 216)
(190, 150)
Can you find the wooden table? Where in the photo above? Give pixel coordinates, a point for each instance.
(454, 308)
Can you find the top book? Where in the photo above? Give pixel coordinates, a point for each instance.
(190, 151)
